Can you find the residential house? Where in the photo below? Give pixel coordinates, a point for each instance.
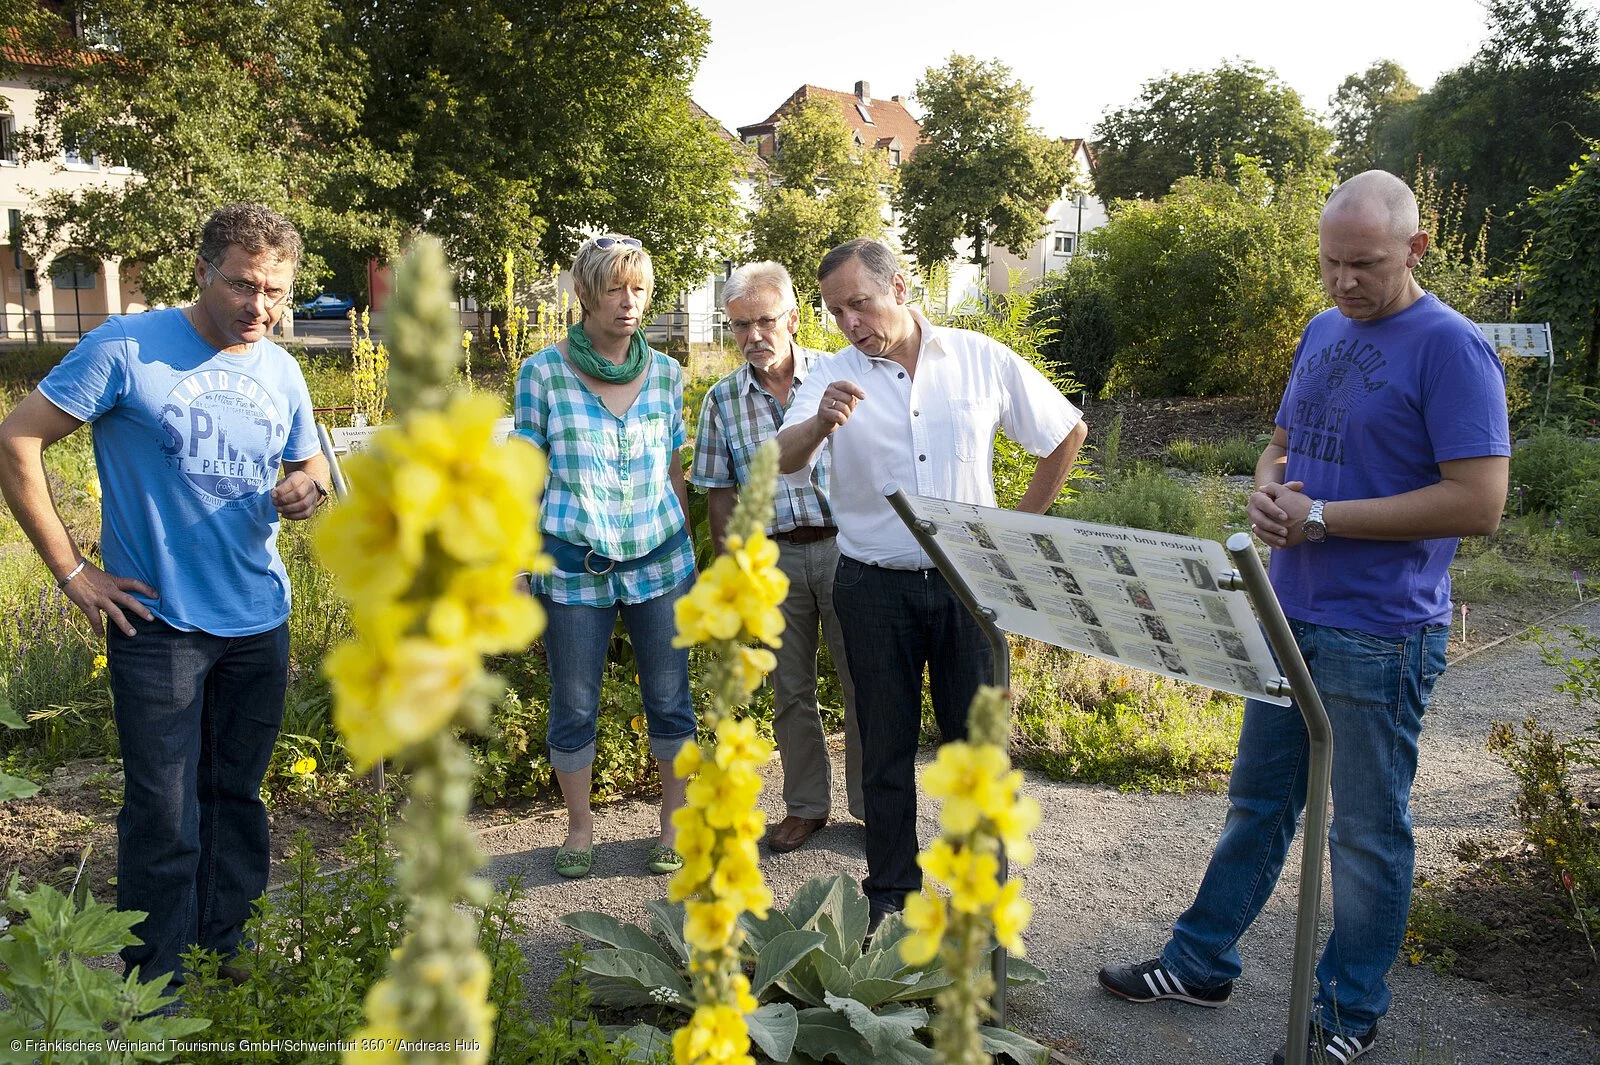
(64, 294)
(885, 126)
(1069, 217)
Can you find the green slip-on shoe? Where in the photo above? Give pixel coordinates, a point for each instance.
(663, 860)
(574, 864)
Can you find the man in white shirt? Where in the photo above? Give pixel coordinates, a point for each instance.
(917, 405)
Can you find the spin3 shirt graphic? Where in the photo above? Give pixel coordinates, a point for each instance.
(1371, 410)
(189, 442)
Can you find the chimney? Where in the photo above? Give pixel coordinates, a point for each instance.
(895, 99)
(863, 92)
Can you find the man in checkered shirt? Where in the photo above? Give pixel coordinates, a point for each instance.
(741, 412)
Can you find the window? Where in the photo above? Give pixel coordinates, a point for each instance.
(8, 140)
(76, 159)
(1066, 243)
(866, 116)
(71, 272)
(894, 156)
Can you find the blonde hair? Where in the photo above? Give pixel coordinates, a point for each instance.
(597, 269)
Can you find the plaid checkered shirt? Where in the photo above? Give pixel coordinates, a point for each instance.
(609, 486)
(737, 417)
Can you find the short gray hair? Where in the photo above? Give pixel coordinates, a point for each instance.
(250, 226)
(1381, 191)
(751, 277)
(875, 255)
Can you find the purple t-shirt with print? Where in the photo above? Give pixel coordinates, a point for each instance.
(1371, 410)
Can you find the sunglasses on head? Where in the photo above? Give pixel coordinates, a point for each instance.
(606, 242)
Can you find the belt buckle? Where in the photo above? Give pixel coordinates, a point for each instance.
(598, 572)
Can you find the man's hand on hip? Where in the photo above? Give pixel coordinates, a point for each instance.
(297, 496)
(96, 592)
(1278, 513)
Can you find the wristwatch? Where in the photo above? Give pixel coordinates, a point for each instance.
(1314, 527)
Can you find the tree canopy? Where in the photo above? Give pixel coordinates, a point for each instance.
(1212, 284)
(823, 192)
(982, 172)
(498, 126)
(1367, 130)
(1202, 121)
(1563, 264)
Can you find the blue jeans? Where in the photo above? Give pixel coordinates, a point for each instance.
(1375, 690)
(197, 716)
(575, 642)
(895, 623)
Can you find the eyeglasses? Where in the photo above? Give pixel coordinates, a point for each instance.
(607, 242)
(247, 291)
(766, 323)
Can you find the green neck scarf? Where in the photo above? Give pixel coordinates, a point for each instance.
(584, 358)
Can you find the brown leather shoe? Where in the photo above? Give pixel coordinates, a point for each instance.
(793, 831)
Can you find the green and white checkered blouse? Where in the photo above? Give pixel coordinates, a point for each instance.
(610, 485)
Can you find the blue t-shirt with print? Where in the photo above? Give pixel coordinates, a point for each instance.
(188, 441)
(1372, 409)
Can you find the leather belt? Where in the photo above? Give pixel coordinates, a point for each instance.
(806, 534)
(581, 558)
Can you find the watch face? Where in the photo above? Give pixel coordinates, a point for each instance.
(1316, 532)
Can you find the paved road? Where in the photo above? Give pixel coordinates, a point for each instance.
(1114, 871)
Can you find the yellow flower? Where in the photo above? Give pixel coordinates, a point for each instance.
(1011, 915)
(1013, 822)
(304, 766)
(686, 762)
(99, 664)
(390, 695)
(738, 744)
(968, 778)
(723, 796)
(482, 608)
(751, 666)
(972, 877)
(708, 926)
(715, 1035)
(740, 593)
(742, 998)
(927, 918)
(738, 882)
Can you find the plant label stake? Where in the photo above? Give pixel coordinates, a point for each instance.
(1463, 624)
(1577, 578)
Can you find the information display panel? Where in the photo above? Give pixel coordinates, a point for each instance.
(1145, 599)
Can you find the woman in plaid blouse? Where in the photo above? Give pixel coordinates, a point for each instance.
(607, 411)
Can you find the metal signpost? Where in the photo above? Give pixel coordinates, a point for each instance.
(1175, 605)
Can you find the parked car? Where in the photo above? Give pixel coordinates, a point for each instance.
(326, 305)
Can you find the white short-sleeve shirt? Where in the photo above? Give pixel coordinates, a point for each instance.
(932, 433)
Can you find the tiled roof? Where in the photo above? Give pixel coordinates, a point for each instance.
(877, 122)
(752, 161)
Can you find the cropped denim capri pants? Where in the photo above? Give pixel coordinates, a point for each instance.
(575, 642)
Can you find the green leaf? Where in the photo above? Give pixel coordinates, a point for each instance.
(1023, 973)
(16, 788)
(1019, 1048)
(647, 971)
(884, 1029)
(615, 933)
(835, 978)
(758, 933)
(810, 899)
(8, 714)
(780, 955)
(666, 920)
(645, 1041)
(773, 1028)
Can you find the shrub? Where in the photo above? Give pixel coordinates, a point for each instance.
(1146, 498)
(1548, 465)
(1076, 306)
(1236, 454)
(1486, 576)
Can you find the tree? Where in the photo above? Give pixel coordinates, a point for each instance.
(1075, 305)
(1563, 268)
(524, 125)
(1518, 114)
(1197, 122)
(1366, 118)
(207, 103)
(982, 172)
(1212, 284)
(824, 191)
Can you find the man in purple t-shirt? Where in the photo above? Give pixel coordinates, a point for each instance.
(1391, 444)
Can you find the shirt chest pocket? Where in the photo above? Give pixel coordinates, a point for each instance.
(972, 424)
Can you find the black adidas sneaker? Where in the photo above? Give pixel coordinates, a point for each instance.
(1331, 1048)
(1150, 981)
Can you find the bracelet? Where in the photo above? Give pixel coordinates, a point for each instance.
(322, 493)
(62, 582)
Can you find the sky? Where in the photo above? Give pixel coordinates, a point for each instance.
(1080, 59)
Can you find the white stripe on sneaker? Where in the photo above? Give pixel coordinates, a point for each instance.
(1179, 985)
(1342, 1050)
(1151, 984)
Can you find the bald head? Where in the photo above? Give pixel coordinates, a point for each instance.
(1378, 197)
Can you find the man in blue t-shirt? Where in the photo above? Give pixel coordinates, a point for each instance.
(195, 414)
(1391, 444)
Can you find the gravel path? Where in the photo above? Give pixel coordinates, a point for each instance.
(1115, 870)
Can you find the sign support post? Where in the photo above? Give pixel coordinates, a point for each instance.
(1252, 577)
